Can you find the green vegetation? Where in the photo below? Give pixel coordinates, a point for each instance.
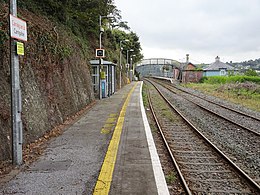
(170, 178)
(167, 113)
(3, 36)
(80, 18)
(251, 72)
(3, 33)
(243, 90)
(145, 96)
(230, 79)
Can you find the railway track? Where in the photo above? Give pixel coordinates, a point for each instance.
(202, 167)
(239, 143)
(234, 116)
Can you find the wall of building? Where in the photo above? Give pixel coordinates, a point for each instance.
(191, 76)
(209, 73)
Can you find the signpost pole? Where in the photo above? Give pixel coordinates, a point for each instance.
(100, 80)
(16, 105)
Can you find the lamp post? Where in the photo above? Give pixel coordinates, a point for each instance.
(132, 67)
(100, 37)
(127, 56)
(101, 29)
(100, 47)
(120, 62)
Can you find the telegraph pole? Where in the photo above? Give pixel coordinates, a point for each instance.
(16, 103)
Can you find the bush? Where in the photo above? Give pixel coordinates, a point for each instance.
(251, 72)
(230, 79)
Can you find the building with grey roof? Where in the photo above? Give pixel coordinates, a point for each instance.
(218, 68)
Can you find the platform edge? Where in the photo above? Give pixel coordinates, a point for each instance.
(157, 168)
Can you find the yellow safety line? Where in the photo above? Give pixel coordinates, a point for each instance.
(105, 176)
(109, 125)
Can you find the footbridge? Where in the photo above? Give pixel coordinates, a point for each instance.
(157, 67)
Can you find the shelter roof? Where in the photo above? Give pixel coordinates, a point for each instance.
(96, 62)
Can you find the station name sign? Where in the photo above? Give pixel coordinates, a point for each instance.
(18, 28)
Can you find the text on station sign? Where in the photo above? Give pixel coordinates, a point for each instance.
(18, 28)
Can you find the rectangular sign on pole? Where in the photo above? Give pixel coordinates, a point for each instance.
(18, 28)
(100, 53)
(19, 48)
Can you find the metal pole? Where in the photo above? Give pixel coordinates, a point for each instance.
(16, 103)
(100, 36)
(120, 66)
(100, 65)
(100, 80)
(127, 57)
(130, 68)
(127, 62)
(100, 17)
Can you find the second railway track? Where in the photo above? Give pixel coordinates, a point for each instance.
(246, 121)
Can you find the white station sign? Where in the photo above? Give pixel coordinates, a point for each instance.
(18, 28)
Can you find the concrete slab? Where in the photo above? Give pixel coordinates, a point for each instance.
(134, 172)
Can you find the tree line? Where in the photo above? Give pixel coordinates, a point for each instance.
(81, 17)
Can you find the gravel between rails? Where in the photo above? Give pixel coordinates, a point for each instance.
(221, 101)
(204, 174)
(245, 121)
(172, 178)
(238, 144)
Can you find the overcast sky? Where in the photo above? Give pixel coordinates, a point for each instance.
(201, 28)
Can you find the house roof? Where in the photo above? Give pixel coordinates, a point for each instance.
(218, 65)
(183, 66)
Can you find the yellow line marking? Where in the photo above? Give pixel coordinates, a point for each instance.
(107, 128)
(110, 123)
(105, 176)
(105, 131)
(113, 115)
(111, 120)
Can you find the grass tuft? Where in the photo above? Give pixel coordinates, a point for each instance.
(170, 178)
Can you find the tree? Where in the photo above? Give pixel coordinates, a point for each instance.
(251, 72)
(81, 17)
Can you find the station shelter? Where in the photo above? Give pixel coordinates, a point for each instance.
(105, 81)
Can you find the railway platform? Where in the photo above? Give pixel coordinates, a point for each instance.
(109, 150)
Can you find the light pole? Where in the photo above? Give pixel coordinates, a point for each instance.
(101, 29)
(100, 47)
(120, 62)
(127, 56)
(132, 67)
(100, 36)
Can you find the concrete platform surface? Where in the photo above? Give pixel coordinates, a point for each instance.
(72, 162)
(136, 169)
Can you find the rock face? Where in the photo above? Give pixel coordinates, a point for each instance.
(54, 74)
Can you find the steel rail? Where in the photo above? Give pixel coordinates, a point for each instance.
(186, 187)
(226, 107)
(240, 171)
(211, 111)
(232, 109)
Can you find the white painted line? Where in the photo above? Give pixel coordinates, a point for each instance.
(157, 168)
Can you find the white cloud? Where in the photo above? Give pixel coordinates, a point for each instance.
(202, 28)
